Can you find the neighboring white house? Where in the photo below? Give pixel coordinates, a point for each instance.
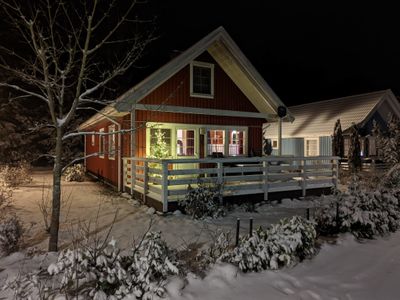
(311, 132)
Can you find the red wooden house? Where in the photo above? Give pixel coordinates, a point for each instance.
(209, 100)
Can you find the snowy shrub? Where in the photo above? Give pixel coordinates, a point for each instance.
(11, 231)
(392, 178)
(104, 272)
(285, 243)
(12, 176)
(75, 173)
(203, 201)
(363, 213)
(5, 198)
(291, 240)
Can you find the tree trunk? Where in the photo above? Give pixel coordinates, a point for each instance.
(56, 204)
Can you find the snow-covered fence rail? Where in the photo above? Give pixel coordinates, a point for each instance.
(168, 179)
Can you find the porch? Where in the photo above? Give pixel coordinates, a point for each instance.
(167, 180)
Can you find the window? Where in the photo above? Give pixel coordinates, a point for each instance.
(215, 141)
(184, 142)
(102, 140)
(160, 142)
(93, 141)
(236, 142)
(274, 143)
(111, 142)
(311, 147)
(202, 80)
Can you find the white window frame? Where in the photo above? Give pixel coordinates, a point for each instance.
(203, 65)
(305, 145)
(197, 128)
(111, 142)
(102, 141)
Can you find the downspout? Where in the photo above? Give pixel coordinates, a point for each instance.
(280, 137)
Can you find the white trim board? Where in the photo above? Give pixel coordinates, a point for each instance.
(204, 111)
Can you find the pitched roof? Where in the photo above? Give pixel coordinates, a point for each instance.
(318, 118)
(231, 59)
(227, 54)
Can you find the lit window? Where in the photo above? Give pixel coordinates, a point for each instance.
(160, 142)
(215, 142)
(102, 144)
(111, 142)
(311, 147)
(185, 142)
(236, 142)
(202, 80)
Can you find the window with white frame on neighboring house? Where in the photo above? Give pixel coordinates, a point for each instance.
(102, 144)
(202, 79)
(185, 142)
(236, 142)
(93, 140)
(311, 147)
(111, 142)
(215, 141)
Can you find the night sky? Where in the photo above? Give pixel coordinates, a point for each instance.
(305, 52)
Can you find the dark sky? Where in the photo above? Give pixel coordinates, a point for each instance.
(305, 52)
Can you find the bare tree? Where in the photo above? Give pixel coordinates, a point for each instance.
(72, 51)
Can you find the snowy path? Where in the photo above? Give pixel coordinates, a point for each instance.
(348, 270)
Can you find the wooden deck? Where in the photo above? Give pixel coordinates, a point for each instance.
(167, 180)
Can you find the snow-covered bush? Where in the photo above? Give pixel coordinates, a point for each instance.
(75, 173)
(203, 201)
(391, 179)
(285, 243)
(291, 240)
(364, 213)
(12, 176)
(11, 231)
(104, 272)
(5, 198)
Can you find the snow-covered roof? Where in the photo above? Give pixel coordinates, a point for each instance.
(318, 118)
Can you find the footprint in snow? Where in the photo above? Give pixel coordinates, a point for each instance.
(309, 295)
(283, 287)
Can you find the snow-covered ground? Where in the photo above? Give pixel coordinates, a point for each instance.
(89, 201)
(347, 270)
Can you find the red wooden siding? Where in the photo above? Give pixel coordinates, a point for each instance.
(176, 91)
(102, 167)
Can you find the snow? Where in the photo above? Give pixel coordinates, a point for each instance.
(346, 270)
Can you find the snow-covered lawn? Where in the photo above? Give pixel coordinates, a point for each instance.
(346, 270)
(90, 201)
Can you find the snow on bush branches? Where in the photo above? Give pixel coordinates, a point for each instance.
(364, 213)
(105, 273)
(12, 176)
(203, 201)
(75, 173)
(285, 243)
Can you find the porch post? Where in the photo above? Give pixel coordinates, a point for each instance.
(133, 148)
(280, 137)
(266, 170)
(164, 183)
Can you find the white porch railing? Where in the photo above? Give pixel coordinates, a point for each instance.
(168, 179)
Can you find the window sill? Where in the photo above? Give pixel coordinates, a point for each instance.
(206, 96)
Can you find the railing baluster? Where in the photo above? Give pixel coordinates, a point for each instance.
(145, 181)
